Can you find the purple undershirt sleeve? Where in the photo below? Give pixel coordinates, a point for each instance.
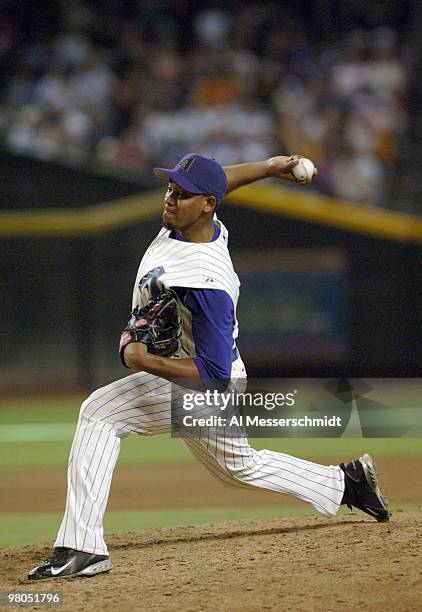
(212, 329)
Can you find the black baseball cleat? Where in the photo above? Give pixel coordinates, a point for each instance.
(361, 488)
(67, 562)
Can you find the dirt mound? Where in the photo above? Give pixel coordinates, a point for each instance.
(306, 563)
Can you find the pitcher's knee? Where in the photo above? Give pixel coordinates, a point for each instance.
(92, 405)
(236, 473)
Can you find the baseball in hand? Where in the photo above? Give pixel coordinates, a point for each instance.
(305, 170)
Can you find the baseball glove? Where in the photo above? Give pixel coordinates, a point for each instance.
(157, 324)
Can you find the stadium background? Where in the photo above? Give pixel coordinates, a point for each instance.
(92, 95)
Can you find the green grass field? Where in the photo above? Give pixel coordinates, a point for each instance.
(38, 434)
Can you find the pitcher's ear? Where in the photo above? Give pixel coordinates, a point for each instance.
(210, 204)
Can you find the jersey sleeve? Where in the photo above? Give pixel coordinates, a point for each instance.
(212, 331)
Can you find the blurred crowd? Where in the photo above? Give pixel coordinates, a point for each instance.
(130, 88)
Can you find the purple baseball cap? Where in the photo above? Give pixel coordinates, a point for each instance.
(197, 174)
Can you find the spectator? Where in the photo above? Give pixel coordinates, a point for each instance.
(131, 90)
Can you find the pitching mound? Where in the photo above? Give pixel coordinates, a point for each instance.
(307, 563)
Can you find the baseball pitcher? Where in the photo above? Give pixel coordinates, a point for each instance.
(183, 326)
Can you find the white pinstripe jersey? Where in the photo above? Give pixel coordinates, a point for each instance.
(172, 263)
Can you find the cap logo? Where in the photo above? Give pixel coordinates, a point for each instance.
(187, 163)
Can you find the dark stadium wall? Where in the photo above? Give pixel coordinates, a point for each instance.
(383, 285)
(34, 183)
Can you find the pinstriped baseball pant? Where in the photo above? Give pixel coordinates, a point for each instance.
(140, 404)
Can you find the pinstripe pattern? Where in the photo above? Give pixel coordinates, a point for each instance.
(140, 404)
(192, 265)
